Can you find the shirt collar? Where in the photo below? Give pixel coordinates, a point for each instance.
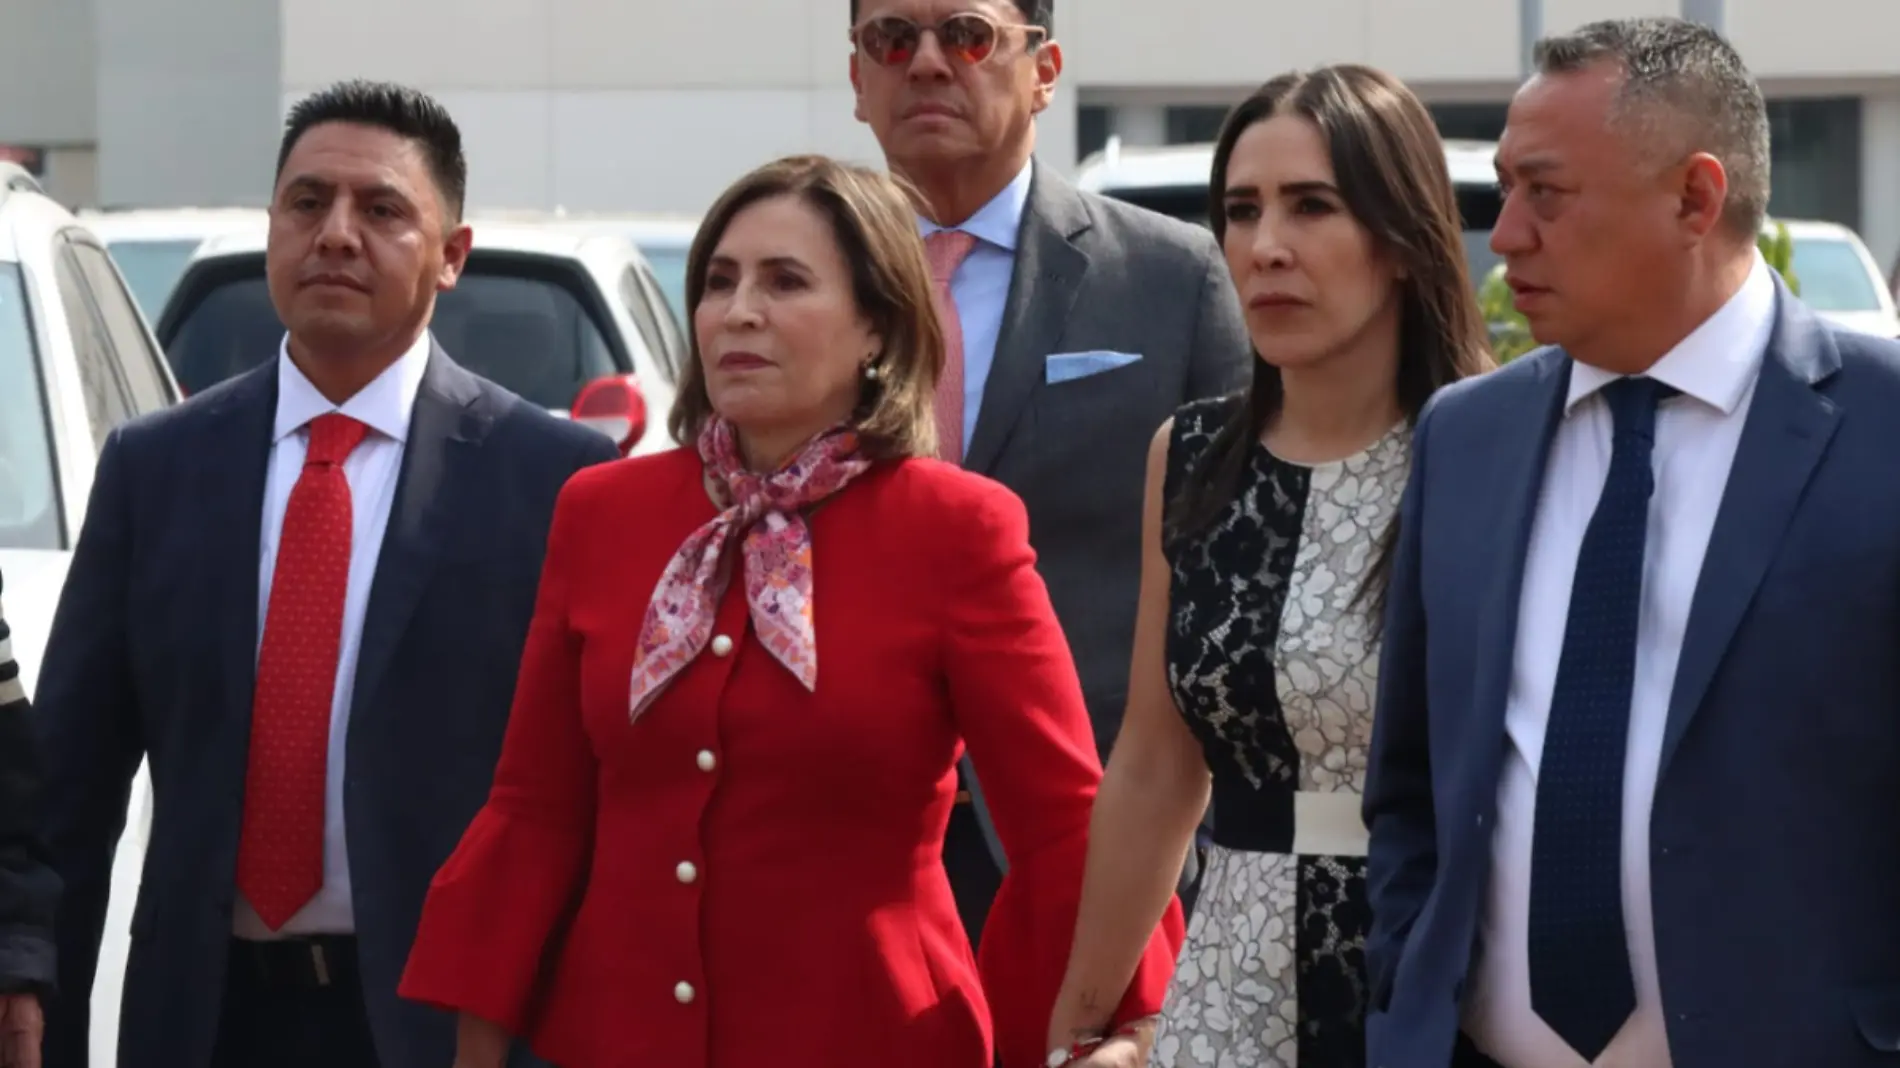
(1718, 360)
(384, 405)
(999, 221)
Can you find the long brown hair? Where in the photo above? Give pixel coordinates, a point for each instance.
(1390, 166)
(873, 218)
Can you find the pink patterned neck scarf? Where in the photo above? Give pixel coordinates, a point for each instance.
(766, 512)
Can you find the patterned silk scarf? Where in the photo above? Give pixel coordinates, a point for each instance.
(764, 513)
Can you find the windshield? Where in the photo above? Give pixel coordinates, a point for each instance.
(1832, 275)
(152, 268)
(29, 492)
(514, 323)
(1478, 204)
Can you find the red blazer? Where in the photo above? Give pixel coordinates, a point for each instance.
(752, 874)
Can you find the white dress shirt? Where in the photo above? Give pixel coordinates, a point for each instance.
(384, 406)
(1715, 368)
(980, 285)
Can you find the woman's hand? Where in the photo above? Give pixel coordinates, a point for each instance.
(1126, 1048)
(1121, 1051)
(479, 1043)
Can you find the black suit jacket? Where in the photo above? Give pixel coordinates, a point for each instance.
(153, 654)
(28, 888)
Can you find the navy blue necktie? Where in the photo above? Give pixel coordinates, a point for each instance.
(1579, 956)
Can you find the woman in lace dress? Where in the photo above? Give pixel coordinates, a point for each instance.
(1269, 517)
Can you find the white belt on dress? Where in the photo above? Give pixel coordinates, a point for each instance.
(1328, 823)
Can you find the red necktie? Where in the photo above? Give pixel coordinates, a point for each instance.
(280, 850)
(946, 250)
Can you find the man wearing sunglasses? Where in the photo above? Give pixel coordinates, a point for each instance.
(1076, 326)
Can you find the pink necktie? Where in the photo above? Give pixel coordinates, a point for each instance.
(945, 250)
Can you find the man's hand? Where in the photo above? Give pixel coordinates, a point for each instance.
(22, 1025)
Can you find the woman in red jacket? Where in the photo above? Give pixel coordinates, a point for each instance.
(714, 838)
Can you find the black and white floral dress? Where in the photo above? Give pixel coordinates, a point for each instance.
(1272, 659)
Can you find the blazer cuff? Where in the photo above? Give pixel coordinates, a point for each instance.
(27, 963)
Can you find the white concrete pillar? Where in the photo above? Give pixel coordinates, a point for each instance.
(1880, 176)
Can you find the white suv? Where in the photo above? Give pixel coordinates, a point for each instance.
(570, 321)
(76, 360)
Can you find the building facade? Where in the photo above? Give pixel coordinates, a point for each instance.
(604, 105)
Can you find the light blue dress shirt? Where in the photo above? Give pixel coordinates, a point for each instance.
(980, 285)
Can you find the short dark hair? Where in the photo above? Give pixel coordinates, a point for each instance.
(401, 110)
(1035, 13)
(1689, 70)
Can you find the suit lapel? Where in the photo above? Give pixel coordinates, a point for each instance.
(1788, 429)
(437, 469)
(1521, 450)
(1042, 289)
(240, 430)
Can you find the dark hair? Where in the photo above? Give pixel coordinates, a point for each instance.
(873, 218)
(401, 110)
(1691, 72)
(1035, 13)
(1390, 167)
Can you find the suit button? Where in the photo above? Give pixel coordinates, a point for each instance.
(683, 993)
(721, 645)
(706, 760)
(686, 872)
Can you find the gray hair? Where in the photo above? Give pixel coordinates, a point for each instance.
(1684, 83)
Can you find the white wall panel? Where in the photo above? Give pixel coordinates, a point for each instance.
(669, 150)
(1817, 37)
(1471, 40)
(48, 65)
(1208, 42)
(644, 44)
(485, 44)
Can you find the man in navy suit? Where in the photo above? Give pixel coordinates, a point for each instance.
(1636, 760)
(302, 595)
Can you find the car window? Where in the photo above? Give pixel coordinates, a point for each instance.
(669, 273)
(670, 323)
(1185, 202)
(639, 301)
(108, 403)
(1832, 275)
(527, 326)
(29, 487)
(151, 268)
(138, 356)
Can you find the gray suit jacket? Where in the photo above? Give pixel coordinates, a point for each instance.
(1094, 273)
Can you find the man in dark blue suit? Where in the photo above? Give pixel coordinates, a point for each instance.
(302, 595)
(1634, 771)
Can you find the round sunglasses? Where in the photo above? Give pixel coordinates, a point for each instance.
(967, 37)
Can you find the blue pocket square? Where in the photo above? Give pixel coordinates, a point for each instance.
(1065, 366)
